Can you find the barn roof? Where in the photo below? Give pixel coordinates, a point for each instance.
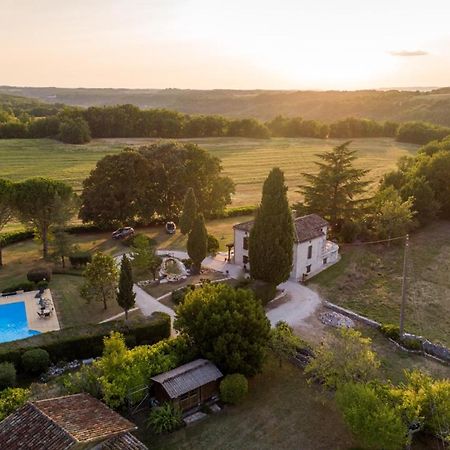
(305, 227)
(59, 423)
(188, 377)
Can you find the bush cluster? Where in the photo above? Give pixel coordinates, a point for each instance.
(12, 399)
(86, 341)
(35, 361)
(7, 375)
(391, 331)
(25, 286)
(165, 418)
(14, 237)
(80, 259)
(233, 388)
(39, 274)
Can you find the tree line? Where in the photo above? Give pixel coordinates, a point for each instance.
(77, 126)
(134, 186)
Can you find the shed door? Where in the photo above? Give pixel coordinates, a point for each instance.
(190, 400)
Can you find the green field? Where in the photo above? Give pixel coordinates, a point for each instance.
(246, 161)
(368, 280)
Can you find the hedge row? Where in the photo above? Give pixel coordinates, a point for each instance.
(87, 341)
(13, 237)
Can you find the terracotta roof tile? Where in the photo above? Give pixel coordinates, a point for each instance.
(124, 442)
(306, 227)
(59, 423)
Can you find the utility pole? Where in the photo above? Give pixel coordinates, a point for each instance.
(404, 286)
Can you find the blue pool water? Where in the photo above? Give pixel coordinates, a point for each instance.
(13, 322)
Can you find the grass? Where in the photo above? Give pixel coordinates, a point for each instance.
(368, 280)
(246, 161)
(281, 411)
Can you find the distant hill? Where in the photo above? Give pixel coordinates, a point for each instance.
(398, 105)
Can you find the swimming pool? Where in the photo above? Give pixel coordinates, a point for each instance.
(13, 322)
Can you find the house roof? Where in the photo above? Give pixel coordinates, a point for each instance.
(187, 377)
(305, 227)
(59, 423)
(123, 442)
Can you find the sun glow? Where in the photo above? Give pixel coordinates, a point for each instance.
(287, 44)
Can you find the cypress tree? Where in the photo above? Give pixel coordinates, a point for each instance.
(272, 236)
(190, 207)
(197, 244)
(125, 294)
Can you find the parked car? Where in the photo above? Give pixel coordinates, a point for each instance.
(123, 233)
(171, 228)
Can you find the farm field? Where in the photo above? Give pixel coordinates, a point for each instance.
(246, 161)
(368, 280)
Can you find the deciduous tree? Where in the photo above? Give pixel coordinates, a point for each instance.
(145, 258)
(343, 358)
(125, 295)
(118, 191)
(228, 326)
(376, 423)
(62, 245)
(43, 204)
(272, 236)
(283, 342)
(101, 277)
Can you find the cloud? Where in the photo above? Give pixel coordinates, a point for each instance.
(408, 53)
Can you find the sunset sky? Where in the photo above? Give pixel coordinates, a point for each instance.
(239, 44)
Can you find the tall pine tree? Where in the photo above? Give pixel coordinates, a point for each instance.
(197, 244)
(272, 236)
(336, 192)
(190, 209)
(125, 294)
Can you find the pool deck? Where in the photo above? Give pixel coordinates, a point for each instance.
(35, 322)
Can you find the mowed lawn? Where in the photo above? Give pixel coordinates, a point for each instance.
(281, 412)
(246, 161)
(72, 309)
(368, 280)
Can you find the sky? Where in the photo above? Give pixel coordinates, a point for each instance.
(227, 44)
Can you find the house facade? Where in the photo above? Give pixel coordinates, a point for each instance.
(312, 251)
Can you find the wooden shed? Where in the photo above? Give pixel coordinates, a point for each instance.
(189, 385)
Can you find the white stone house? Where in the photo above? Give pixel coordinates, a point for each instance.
(312, 252)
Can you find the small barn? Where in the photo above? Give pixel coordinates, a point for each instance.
(189, 385)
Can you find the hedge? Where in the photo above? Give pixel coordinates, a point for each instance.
(86, 341)
(14, 237)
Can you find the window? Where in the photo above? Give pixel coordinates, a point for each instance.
(308, 268)
(245, 259)
(325, 260)
(310, 252)
(245, 243)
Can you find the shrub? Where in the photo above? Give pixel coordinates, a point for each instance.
(87, 341)
(7, 375)
(263, 291)
(391, 331)
(39, 274)
(165, 418)
(130, 240)
(412, 343)
(36, 360)
(84, 380)
(42, 285)
(80, 259)
(12, 238)
(179, 294)
(213, 244)
(26, 286)
(12, 399)
(233, 388)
